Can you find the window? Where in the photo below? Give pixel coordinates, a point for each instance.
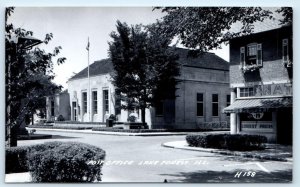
(105, 101)
(84, 102)
(52, 108)
(95, 105)
(251, 55)
(215, 105)
(228, 103)
(200, 105)
(246, 92)
(159, 108)
(285, 50)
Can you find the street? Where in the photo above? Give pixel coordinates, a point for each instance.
(143, 159)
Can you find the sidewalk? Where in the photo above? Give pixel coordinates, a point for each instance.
(89, 131)
(274, 152)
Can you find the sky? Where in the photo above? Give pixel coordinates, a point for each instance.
(72, 26)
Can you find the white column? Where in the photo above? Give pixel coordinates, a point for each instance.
(233, 122)
(238, 123)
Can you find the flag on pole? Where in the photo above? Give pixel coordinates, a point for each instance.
(88, 45)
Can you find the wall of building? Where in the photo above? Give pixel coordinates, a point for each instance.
(273, 79)
(208, 82)
(97, 83)
(61, 106)
(273, 69)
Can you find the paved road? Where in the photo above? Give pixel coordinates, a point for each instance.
(148, 161)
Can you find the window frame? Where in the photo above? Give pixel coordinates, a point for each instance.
(52, 108)
(246, 92)
(95, 101)
(246, 58)
(105, 101)
(215, 103)
(199, 102)
(285, 43)
(84, 102)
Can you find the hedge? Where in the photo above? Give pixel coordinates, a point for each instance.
(16, 159)
(238, 142)
(65, 162)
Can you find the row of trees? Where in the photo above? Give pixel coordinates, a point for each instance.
(146, 65)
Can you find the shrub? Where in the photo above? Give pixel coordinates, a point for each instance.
(131, 118)
(239, 142)
(65, 162)
(113, 117)
(16, 159)
(60, 118)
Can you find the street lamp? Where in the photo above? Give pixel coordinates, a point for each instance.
(28, 42)
(23, 43)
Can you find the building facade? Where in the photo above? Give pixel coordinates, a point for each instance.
(261, 79)
(58, 104)
(202, 94)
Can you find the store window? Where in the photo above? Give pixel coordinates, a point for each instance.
(246, 92)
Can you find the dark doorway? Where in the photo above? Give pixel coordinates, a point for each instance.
(285, 126)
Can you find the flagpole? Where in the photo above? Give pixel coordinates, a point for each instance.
(89, 88)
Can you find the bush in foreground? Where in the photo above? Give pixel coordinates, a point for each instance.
(238, 142)
(16, 159)
(65, 162)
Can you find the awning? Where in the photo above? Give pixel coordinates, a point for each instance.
(259, 105)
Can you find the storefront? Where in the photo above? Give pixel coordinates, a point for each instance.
(263, 109)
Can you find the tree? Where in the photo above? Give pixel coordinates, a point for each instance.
(145, 66)
(205, 28)
(28, 75)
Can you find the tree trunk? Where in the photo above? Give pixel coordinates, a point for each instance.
(143, 115)
(32, 119)
(12, 136)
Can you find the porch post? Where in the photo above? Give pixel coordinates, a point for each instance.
(233, 121)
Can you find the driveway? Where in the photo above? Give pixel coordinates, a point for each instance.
(143, 159)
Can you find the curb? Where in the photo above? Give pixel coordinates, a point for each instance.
(111, 133)
(226, 153)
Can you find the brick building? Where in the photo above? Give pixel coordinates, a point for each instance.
(202, 95)
(261, 84)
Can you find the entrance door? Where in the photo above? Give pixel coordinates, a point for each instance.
(74, 108)
(285, 126)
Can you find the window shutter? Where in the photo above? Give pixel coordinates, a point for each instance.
(242, 56)
(285, 43)
(259, 55)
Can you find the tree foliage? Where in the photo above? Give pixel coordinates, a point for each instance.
(145, 66)
(205, 28)
(28, 74)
